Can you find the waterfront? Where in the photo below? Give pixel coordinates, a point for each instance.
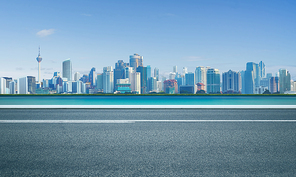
(148, 148)
(148, 100)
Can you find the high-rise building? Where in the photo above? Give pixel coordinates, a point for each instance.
(251, 78)
(12, 87)
(108, 80)
(135, 81)
(172, 75)
(201, 75)
(39, 59)
(119, 71)
(2, 85)
(67, 69)
(76, 76)
(8, 80)
(184, 70)
(213, 81)
(261, 69)
(231, 82)
(76, 87)
(285, 80)
(31, 84)
(274, 85)
(148, 71)
(159, 86)
(143, 71)
(170, 86)
(100, 82)
(156, 73)
(92, 77)
(189, 79)
(22, 84)
(136, 60)
(152, 84)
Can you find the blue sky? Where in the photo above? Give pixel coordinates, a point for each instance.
(189, 33)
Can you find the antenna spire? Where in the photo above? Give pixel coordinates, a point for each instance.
(39, 50)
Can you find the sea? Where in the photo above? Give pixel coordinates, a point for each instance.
(147, 142)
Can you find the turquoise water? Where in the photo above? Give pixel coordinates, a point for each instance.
(147, 100)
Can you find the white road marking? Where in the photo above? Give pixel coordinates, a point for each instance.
(131, 121)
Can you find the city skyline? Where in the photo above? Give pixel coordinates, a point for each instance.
(223, 35)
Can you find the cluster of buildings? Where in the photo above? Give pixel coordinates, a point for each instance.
(135, 78)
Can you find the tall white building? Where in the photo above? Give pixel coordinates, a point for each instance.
(159, 86)
(2, 85)
(22, 85)
(136, 82)
(185, 70)
(108, 80)
(76, 76)
(67, 69)
(172, 75)
(201, 75)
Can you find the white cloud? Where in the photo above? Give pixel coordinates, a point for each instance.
(45, 32)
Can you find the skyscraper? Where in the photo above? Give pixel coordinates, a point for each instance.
(201, 75)
(12, 87)
(39, 59)
(156, 73)
(285, 80)
(189, 79)
(262, 69)
(231, 82)
(135, 81)
(76, 76)
(108, 80)
(143, 71)
(184, 70)
(274, 84)
(148, 71)
(22, 85)
(31, 84)
(67, 69)
(251, 77)
(119, 71)
(136, 60)
(213, 81)
(2, 85)
(100, 82)
(92, 77)
(152, 84)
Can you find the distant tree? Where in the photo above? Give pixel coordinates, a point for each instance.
(200, 92)
(266, 92)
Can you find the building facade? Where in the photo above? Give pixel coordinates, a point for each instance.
(231, 82)
(67, 69)
(213, 81)
(285, 80)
